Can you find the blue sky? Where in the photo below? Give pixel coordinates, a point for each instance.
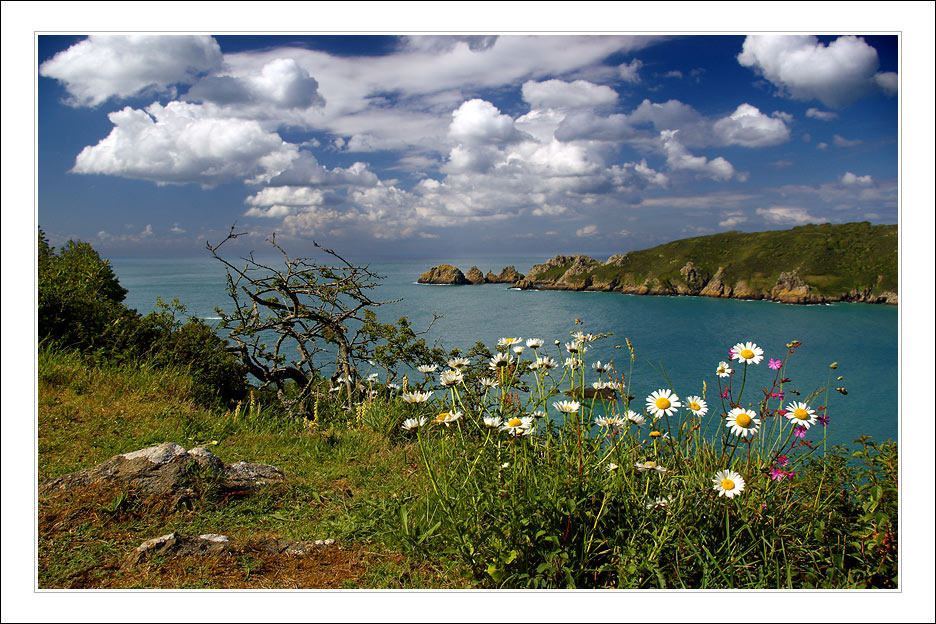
(429, 145)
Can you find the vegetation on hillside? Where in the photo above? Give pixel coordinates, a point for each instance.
(856, 261)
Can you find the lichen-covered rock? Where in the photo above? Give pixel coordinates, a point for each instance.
(715, 286)
(166, 469)
(443, 274)
(215, 544)
(790, 288)
(475, 276)
(508, 275)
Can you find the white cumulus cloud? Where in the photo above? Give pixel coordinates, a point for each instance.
(561, 94)
(789, 215)
(181, 143)
(749, 127)
(850, 179)
(821, 115)
(105, 66)
(628, 71)
(679, 158)
(802, 67)
(478, 122)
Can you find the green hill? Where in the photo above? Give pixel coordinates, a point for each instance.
(807, 264)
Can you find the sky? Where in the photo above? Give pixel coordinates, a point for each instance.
(427, 145)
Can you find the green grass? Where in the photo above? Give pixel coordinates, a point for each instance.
(341, 483)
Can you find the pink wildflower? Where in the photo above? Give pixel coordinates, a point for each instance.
(774, 364)
(799, 432)
(783, 460)
(777, 474)
(776, 395)
(724, 393)
(823, 420)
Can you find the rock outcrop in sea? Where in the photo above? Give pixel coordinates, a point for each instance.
(448, 274)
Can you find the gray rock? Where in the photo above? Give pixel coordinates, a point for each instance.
(158, 454)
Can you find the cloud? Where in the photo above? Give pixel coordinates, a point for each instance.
(732, 219)
(281, 83)
(821, 115)
(822, 145)
(588, 230)
(805, 69)
(674, 73)
(628, 71)
(138, 237)
(840, 141)
(850, 179)
(121, 66)
(564, 95)
(478, 122)
(679, 158)
(788, 215)
(181, 143)
(748, 127)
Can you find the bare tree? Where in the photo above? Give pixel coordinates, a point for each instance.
(316, 312)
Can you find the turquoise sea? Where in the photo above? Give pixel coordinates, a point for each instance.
(686, 336)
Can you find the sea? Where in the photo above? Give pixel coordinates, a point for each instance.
(679, 341)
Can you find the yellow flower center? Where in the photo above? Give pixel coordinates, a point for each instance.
(441, 418)
(663, 403)
(800, 413)
(747, 354)
(514, 422)
(743, 420)
(695, 406)
(655, 434)
(650, 464)
(727, 484)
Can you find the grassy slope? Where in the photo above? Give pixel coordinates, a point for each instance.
(87, 415)
(832, 259)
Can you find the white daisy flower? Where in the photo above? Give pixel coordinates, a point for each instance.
(747, 352)
(601, 385)
(649, 465)
(492, 421)
(416, 397)
(742, 422)
(728, 483)
(534, 365)
(446, 418)
(611, 467)
(518, 426)
(659, 503)
(500, 360)
(459, 362)
(372, 378)
(547, 362)
(801, 414)
(534, 343)
(414, 423)
(538, 414)
(571, 363)
(393, 386)
(427, 368)
(567, 407)
(583, 337)
(634, 417)
(610, 422)
(517, 349)
(723, 369)
(662, 402)
(451, 377)
(599, 368)
(487, 382)
(508, 342)
(697, 405)
(575, 347)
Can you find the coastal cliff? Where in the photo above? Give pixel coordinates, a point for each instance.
(807, 264)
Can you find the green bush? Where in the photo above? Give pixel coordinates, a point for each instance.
(80, 308)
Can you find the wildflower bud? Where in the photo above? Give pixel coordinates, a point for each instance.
(842, 390)
(556, 343)
(833, 365)
(839, 378)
